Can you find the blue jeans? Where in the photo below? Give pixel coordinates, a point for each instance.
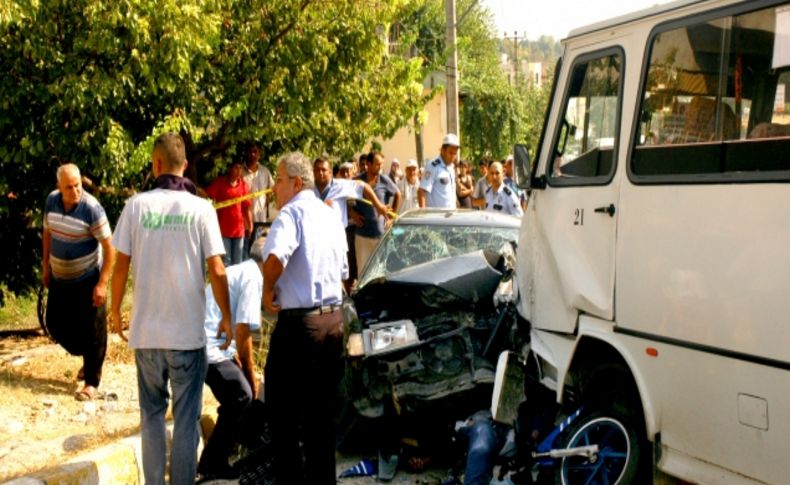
(233, 250)
(186, 371)
(485, 440)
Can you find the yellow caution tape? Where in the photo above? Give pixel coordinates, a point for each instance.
(366, 201)
(230, 202)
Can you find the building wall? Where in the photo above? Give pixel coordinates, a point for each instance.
(403, 146)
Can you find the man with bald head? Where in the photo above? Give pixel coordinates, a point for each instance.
(498, 197)
(168, 235)
(78, 258)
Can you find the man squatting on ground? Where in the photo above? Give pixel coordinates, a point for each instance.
(166, 234)
(231, 371)
(78, 258)
(304, 265)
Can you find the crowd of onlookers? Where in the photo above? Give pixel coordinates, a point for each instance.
(292, 257)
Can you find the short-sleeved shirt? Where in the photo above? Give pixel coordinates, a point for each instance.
(74, 252)
(480, 188)
(168, 234)
(438, 182)
(511, 184)
(339, 191)
(504, 201)
(408, 195)
(231, 219)
(256, 181)
(385, 189)
(245, 284)
(310, 242)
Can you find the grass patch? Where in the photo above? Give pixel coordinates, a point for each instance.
(262, 348)
(18, 311)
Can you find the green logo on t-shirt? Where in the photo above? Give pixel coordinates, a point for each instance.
(157, 221)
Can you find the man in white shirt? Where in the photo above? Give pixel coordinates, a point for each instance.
(498, 196)
(437, 187)
(231, 371)
(409, 187)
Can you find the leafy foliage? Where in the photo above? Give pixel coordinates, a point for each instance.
(495, 114)
(95, 82)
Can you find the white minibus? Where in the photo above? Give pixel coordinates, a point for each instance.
(654, 254)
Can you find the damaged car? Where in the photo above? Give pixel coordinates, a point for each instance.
(432, 313)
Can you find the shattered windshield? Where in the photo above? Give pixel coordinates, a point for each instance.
(409, 245)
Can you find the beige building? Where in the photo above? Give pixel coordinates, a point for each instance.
(403, 145)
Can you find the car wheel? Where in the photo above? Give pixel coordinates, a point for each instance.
(619, 450)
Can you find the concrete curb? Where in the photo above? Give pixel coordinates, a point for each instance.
(117, 463)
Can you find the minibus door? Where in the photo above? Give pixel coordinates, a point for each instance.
(574, 218)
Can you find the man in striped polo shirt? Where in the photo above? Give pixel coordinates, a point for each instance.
(78, 259)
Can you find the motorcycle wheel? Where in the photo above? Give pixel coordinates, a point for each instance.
(619, 450)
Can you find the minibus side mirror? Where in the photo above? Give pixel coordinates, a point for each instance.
(523, 166)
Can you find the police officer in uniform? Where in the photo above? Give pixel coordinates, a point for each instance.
(304, 265)
(437, 187)
(498, 196)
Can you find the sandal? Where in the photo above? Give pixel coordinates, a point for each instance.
(88, 393)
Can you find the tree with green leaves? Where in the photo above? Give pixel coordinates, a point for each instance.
(95, 82)
(491, 110)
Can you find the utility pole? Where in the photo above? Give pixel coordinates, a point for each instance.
(516, 67)
(452, 69)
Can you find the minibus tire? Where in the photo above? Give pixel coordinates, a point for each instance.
(620, 451)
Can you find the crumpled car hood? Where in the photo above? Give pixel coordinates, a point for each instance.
(457, 282)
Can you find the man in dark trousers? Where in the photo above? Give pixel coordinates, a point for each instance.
(304, 266)
(78, 258)
(231, 371)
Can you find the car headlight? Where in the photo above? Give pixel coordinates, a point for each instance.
(354, 346)
(386, 337)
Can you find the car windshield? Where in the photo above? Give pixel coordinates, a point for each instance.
(411, 244)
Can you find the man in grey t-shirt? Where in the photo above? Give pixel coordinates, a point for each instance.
(166, 235)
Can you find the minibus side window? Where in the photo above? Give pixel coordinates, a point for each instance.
(587, 132)
(714, 104)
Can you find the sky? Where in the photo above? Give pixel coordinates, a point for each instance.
(557, 17)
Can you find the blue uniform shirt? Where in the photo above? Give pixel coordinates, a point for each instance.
(438, 181)
(310, 242)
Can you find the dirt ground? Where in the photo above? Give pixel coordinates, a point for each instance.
(42, 425)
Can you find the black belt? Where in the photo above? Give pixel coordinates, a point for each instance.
(316, 310)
